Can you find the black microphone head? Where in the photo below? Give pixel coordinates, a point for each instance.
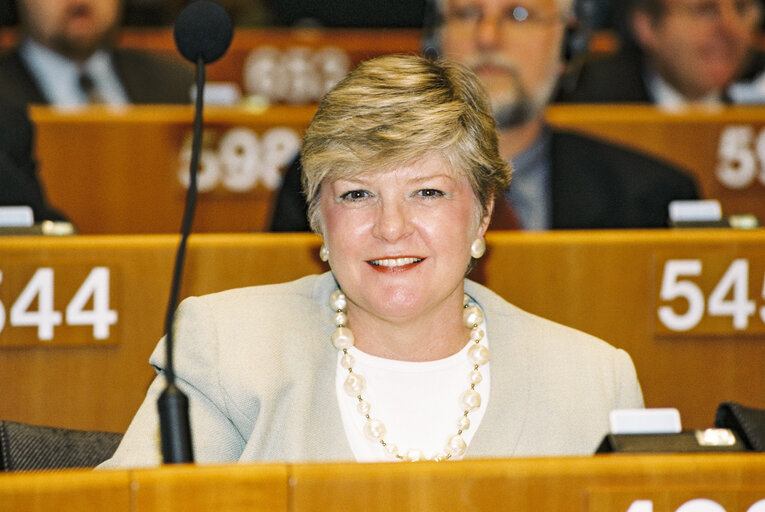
(203, 29)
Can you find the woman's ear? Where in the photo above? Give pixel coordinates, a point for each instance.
(487, 218)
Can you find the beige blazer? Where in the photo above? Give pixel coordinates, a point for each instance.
(259, 371)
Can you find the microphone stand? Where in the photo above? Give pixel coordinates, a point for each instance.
(173, 404)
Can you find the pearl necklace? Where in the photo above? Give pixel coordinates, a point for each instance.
(354, 384)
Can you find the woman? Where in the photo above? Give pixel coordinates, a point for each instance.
(393, 355)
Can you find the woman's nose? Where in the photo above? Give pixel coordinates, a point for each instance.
(393, 221)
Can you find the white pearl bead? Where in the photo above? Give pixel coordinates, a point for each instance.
(472, 316)
(465, 299)
(343, 338)
(438, 457)
(354, 384)
(470, 400)
(374, 430)
(478, 354)
(341, 319)
(391, 450)
(413, 455)
(347, 361)
(363, 407)
(457, 446)
(477, 335)
(337, 300)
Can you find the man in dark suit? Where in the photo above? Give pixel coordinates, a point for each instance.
(19, 185)
(561, 180)
(678, 52)
(66, 57)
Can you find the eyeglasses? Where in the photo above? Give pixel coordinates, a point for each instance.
(713, 10)
(512, 17)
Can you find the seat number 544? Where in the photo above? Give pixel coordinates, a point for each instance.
(34, 305)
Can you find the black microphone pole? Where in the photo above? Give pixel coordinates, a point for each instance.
(203, 32)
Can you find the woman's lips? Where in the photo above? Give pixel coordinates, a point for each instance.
(401, 264)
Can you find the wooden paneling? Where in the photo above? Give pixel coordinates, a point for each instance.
(118, 171)
(612, 483)
(358, 44)
(606, 283)
(65, 491)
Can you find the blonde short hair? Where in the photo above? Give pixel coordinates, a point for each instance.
(394, 110)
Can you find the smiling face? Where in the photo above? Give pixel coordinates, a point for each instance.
(698, 46)
(399, 240)
(74, 28)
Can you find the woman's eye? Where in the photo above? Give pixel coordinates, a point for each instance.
(430, 192)
(354, 195)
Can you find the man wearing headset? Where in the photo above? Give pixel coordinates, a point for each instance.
(561, 180)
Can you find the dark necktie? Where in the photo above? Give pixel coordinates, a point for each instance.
(88, 86)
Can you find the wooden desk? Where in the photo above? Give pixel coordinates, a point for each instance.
(724, 149)
(118, 171)
(612, 483)
(616, 285)
(357, 44)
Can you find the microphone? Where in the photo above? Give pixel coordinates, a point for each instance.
(203, 32)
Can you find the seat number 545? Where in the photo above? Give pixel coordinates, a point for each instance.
(688, 280)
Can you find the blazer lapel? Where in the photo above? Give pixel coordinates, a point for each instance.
(500, 430)
(327, 436)
(326, 439)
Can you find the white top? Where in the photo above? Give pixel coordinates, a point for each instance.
(417, 401)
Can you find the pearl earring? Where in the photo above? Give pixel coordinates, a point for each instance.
(324, 253)
(477, 248)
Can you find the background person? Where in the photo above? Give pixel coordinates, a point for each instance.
(683, 52)
(562, 180)
(66, 57)
(402, 169)
(19, 184)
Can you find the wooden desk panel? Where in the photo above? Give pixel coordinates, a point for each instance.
(602, 483)
(65, 491)
(357, 44)
(75, 381)
(612, 483)
(257, 488)
(117, 171)
(605, 283)
(724, 149)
